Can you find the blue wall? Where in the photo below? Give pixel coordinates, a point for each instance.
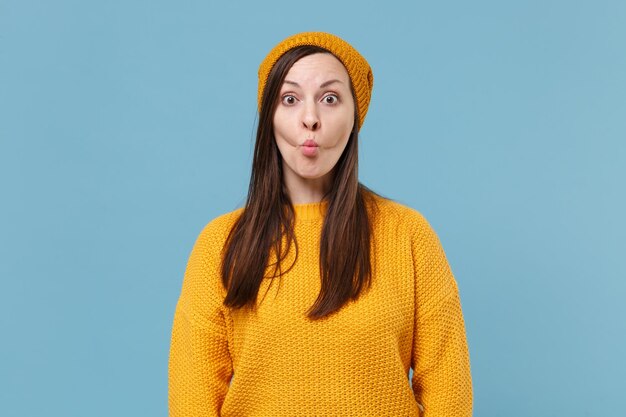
(125, 126)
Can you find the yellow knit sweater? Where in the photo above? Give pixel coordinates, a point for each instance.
(353, 363)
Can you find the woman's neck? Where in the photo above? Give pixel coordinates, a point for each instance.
(305, 190)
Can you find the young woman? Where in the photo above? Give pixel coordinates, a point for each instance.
(319, 295)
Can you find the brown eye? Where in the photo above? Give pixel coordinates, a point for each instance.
(289, 100)
(331, 99)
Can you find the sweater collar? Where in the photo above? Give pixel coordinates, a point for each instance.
(311, 211)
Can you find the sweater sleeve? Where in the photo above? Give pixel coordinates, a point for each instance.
(200, 366)
(441, 378)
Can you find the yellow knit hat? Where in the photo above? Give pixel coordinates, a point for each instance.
(358, 69)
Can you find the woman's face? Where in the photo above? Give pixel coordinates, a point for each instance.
(314, 117)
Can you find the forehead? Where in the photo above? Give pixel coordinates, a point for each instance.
(317, 68)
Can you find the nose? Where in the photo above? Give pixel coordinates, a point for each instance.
(310, 118)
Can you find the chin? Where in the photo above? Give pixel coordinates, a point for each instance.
(312, 175)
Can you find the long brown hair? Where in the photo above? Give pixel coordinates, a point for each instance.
(268, 217)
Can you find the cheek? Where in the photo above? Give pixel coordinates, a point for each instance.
(282, 128)
(343, 127)
(344, 122)
(286, 151)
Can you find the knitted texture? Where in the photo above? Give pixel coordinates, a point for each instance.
(276, 362)
(358, 69)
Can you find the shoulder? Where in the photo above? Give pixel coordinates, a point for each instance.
(406, 224)
(215, 232)
(391, 213)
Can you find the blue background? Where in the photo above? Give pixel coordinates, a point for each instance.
(126, 126)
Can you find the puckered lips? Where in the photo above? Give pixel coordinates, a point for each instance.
(309, 148)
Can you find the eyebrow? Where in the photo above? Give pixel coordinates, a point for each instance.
(322, 85)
